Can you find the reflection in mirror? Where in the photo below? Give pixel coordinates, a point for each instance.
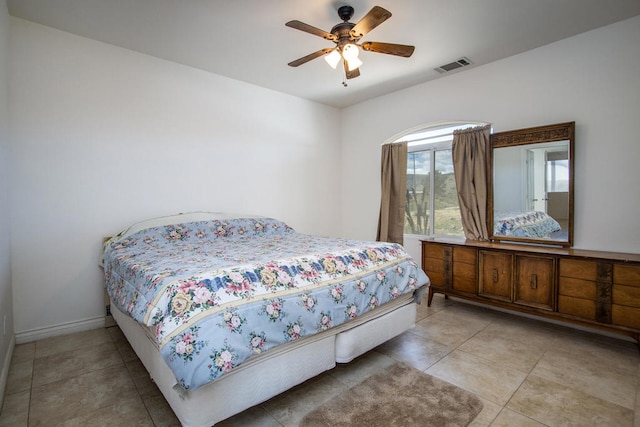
(532, 181)
(532, 187)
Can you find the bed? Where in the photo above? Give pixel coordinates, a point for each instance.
(533, 224)
(227, 311)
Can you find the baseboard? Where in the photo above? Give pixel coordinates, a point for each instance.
(61, 329)
(5, 368)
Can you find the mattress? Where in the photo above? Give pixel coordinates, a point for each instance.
(534, 224)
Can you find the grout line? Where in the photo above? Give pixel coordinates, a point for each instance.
(33, 372)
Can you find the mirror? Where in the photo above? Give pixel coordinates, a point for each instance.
(531, 185)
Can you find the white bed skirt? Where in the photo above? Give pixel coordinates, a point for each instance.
(273, 372)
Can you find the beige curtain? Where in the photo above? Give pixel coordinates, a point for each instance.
(470, 152)
(394, 189)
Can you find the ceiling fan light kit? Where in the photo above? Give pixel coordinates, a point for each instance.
(346, 36)
(333, 58)
(350, 54)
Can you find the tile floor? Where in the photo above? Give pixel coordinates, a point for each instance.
(527, 372)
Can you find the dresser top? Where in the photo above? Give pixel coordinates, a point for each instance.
(536, 249)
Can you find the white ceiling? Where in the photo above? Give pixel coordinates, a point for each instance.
(247, 39)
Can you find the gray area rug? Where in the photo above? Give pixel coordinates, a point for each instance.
(399, 396)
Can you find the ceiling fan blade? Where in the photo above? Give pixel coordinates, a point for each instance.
(371, 20)
(389, 48)
(311, 56)
(350, 74)
(311, 30)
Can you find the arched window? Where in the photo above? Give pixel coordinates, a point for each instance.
(432, 200)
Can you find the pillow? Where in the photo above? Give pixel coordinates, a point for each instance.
(167, 220)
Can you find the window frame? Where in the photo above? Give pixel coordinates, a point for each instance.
(431, 138)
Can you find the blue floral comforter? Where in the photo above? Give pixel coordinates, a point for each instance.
(217, 292)
(524, 224)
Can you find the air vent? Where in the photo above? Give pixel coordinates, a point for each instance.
(462, 62)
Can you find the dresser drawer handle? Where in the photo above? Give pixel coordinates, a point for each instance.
(534, 281)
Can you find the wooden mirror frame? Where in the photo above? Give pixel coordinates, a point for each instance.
(533, 135)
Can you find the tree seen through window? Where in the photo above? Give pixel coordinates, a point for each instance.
(432, 200)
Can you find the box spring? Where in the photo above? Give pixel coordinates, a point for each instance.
(273, 372)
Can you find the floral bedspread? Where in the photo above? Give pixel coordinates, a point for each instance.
(524, 224)
(217, 292)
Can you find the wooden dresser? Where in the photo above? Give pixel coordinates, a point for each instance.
(590, 288)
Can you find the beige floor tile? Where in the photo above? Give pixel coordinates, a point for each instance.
(555, 404)
(473, 311)
(160, 411)
(489, 413)
(438, 304)
(64, 343)
(509, 418)
(637, 411)
(23, 352)
(126, 351)
(524, 330)
(116, 334)
(70, 398)
(291, 406)
(15, 410)
(600, 346)
(360, 368)
(591, 338)
(141, 378)
(454, 325)
(74, 362)
(613, 378)
(19, 377)
(252, 417)
(131, 413)
(414, 350)
(487, 379)
(504, 349)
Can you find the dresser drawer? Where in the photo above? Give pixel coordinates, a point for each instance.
(465, 269)
(433, 265)
(465, 284)
(577, 288)
(583, 308)
(433, 250)
(586, 270)
(465, 255)
(626, 275)
(626, 295)
(625, 310)
(626, 316)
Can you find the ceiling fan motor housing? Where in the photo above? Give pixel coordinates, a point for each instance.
(345, 12)
(343, 32)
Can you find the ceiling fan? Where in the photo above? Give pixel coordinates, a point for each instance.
(346, 36)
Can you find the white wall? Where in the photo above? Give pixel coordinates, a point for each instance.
(6, 305)
(102, 137)
(508, 180)
(591, 79)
